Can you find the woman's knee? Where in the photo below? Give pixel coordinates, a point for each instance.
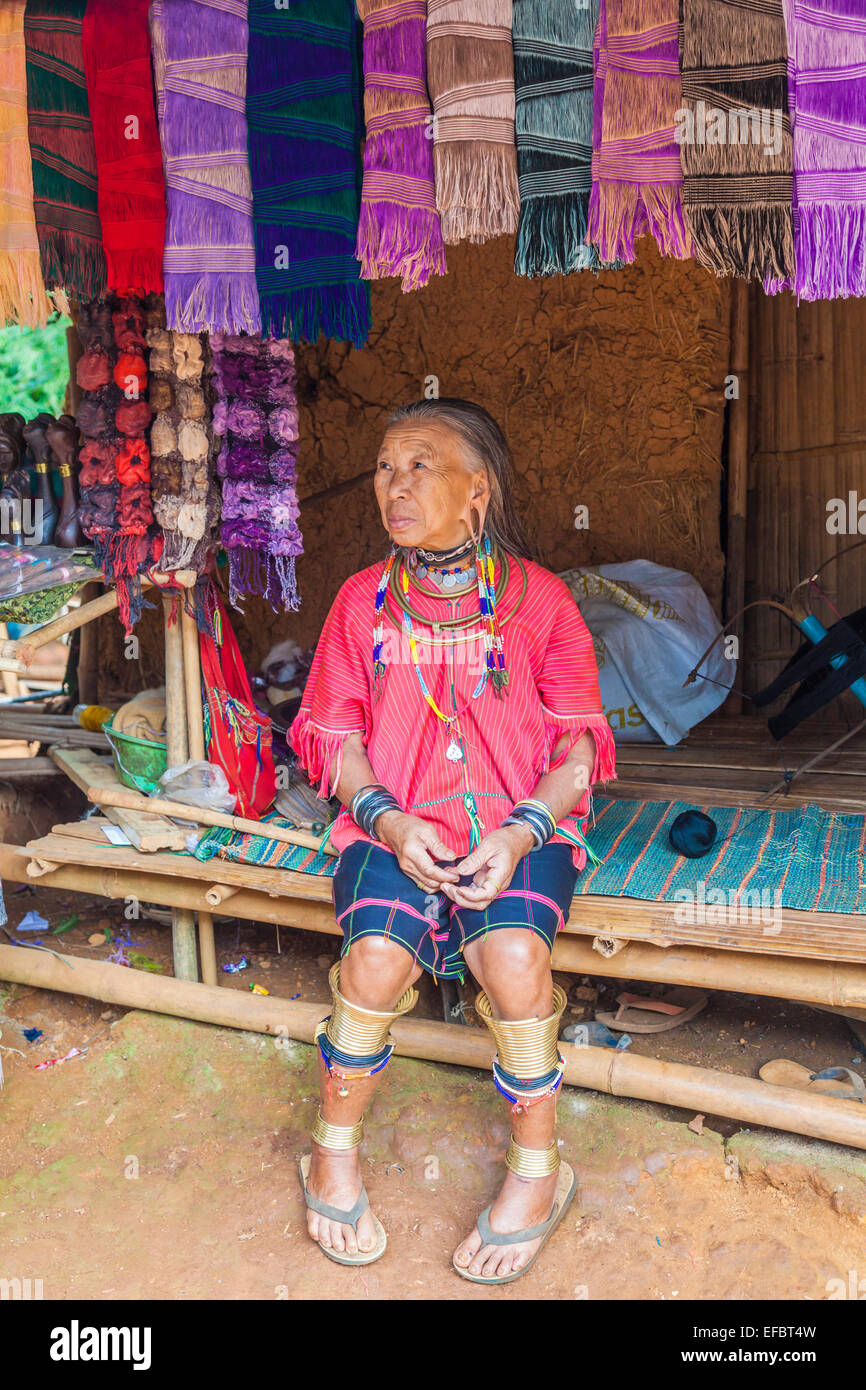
(374, 972)
(516, 971)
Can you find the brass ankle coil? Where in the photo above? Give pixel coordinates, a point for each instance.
(361, 1032)
(529, 1047)
(342, 1137)
(532, 1163)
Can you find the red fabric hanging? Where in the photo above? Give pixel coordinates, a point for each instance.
(239, 738)
(130, 182)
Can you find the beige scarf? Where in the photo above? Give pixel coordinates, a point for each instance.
(22, 292)
(470, 74)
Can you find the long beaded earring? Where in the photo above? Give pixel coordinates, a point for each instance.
(494, 655)
(378, 624)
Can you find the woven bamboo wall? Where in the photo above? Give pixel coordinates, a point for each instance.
(807, 445)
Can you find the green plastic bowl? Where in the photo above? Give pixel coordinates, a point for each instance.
(138, 762)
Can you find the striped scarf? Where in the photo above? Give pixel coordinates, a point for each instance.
(827, 72)
(304, 137)
(636, 174)
(553, 75)
(200, 67)
(128, 160)
(399, 231)
(470, 72)
(22, 291)
(734, 137)
(62, 150)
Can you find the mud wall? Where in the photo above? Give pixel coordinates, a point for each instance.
(610, 390)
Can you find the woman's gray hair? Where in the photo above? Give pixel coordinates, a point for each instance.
(488, 448)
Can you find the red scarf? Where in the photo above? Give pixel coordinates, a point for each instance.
(131, 187)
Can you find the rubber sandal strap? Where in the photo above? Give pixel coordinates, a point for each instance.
(491, 1237)
(346, 1218)
(836, 1074)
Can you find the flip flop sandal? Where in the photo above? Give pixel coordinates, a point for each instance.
(346, 1218)
(566, 1187)
(637, 1013)
(781, 1072)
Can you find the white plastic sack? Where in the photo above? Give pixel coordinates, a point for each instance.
(199, 784)
(649, 627)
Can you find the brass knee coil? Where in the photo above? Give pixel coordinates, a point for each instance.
(357, 1031)
(529, 1047)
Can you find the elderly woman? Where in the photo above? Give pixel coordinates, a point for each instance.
(453, 706)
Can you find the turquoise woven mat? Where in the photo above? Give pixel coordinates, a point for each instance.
(800, 858)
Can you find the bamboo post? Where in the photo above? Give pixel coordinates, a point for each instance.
(738, 464)
(195, 734)
(601, 1069)
(125, 800)
(177, 748)
(88, 653)
(11, 683)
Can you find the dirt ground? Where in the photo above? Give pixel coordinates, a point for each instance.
(163, 1162)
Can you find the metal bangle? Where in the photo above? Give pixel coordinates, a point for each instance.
(341, 1137)
(532, 1163)
(526, 1048)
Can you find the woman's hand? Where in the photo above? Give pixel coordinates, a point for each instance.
(492, 865)
(417, 847)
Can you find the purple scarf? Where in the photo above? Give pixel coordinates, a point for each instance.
(199, 59)
(257, 416)
(827, 97)
(399, 231)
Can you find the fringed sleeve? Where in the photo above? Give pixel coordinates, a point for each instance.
(337, 699)
(570, 696)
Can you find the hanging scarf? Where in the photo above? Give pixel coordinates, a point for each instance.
(734, 137)
(827, 71)
(185, 498)
(399, 231)
(304, 139)
(553, 75)
(22, 291)
(128, 158)
(200, 72)
(470, 72)
(256, 416)
(62, 150)
(636, 174)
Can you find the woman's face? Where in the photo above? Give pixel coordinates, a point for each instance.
(425, 486)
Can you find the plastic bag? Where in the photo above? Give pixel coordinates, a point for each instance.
(198, 784)
(649, 626)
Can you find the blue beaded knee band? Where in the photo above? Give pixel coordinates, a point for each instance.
(332, 1055)
(518, 1089)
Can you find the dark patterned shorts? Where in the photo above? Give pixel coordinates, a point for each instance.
(373, 897)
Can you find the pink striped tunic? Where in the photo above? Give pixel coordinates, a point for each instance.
(508, 743)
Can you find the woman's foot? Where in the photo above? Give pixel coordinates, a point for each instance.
(522, 1202)
(335, 1178)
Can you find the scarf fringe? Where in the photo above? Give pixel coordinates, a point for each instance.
(621, 213)
(23, 299)
(401, 241)
(754, 243)
(831, 251)
(337, 311)
(271, 576)
(476, 190)
(213, 302)
(551, 236)
(73, 262)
